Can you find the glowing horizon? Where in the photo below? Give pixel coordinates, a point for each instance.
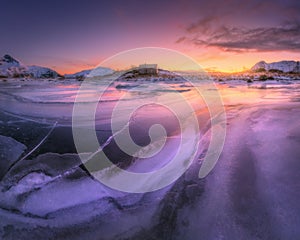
(227, 63)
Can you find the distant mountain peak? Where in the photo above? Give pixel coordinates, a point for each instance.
(10, 67)
(261, 62)
(281, 66)
(9, 59)
(98, 71)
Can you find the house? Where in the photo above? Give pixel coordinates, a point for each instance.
(148, 69)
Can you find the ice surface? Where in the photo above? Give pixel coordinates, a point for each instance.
(253, 193)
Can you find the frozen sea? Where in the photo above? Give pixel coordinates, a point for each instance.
(252, 193)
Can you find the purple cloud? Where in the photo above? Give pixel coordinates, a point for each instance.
(239, 39)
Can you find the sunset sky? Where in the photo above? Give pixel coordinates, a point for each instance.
(229, 36)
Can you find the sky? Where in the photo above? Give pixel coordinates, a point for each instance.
(220, 35)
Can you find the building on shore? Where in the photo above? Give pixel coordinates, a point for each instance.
(148, 69)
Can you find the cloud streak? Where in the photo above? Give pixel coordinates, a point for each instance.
(208, 32)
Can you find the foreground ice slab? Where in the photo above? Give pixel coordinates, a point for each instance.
(10, 151)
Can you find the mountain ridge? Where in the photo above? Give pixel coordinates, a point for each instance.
(98, 71)
(10, 67)
(284, 66)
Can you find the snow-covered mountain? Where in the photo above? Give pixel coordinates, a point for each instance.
(284, 66)
(42, 72)
(99, 71)
(10, 67)
(9, 61)
(78, 75)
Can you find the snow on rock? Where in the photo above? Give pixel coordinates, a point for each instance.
(99, 71)
(10, 151)
(284, 66)
(10, 67)
(41, 72)
(9, 60)
(78, 75)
